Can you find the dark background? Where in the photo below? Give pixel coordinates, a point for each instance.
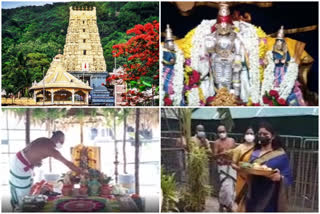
(289, 14)
(308, 125)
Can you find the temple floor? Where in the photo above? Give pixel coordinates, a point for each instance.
(148, 193)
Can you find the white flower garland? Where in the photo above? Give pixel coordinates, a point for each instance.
(178, 78)
(250, 41)
(268, 76)
(178, 81)
(161, 91)
(288, 81)
(198, 48)
(193, 97)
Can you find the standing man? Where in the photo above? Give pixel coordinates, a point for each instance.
(227, 174)
(21, 167)
(199, 138)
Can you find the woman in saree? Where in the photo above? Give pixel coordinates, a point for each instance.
(258, 193)
(267, 193)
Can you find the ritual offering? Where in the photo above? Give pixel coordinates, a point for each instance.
(105, 188)
(34, 203)
(94, 183)
(80, 205)
(83, 185)
(256, 169)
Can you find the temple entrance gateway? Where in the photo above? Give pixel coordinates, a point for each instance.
(84, 54)
(76, 76)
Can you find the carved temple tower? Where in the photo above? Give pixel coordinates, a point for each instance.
(83, 53)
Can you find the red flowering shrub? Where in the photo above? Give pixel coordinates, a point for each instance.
(142, 53)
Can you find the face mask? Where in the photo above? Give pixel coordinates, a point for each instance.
(201, 134)
(222, 135)
(264, 140)
(249, 138)
(59, 145)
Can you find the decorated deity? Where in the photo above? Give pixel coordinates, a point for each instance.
(281, 73)
(172, 78)
(229, 61)
(220, 59)
(224, 50)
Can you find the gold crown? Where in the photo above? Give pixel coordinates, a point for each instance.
(280, 34)
(224, 10)
(169, 36)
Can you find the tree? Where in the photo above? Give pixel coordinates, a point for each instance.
(142, 68)
(125, 115)
(137, 146)
(226, 118)
(40, 31)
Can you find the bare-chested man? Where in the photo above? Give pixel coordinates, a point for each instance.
(226, 173)
(31, 156)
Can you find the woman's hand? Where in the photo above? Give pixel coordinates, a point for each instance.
(235, 166)
(275, 176)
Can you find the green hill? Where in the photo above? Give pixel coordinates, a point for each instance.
(33, 35)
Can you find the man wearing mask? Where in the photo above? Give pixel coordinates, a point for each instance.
(199, 138)
(21, 167)
(227, 174)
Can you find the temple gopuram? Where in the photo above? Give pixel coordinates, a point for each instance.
(83, 60)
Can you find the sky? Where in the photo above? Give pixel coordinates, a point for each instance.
(14, 4)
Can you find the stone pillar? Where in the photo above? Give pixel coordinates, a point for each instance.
(72, 96)
(52, 96)
(35, 96)
(87, 97)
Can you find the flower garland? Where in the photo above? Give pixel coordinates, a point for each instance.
(177, 80)
(193, 97)
(289, 79)
(287, 83)
(198, 49)
(268, 76)
(178, 77)
(249, 37)
(262, 50)
(162, 92)
(193, 46)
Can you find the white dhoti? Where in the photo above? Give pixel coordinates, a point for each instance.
(20, 179)
(227, 194)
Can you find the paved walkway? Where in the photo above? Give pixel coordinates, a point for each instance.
(212, 205)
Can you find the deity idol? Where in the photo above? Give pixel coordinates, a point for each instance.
(172, 78)
(169, 58)
(216, 55)
(282, 72)
(230, 62)
(225, 51)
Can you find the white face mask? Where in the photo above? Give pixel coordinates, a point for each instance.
(59, 145)
(249, 138)
(201, 134)
(223, 135)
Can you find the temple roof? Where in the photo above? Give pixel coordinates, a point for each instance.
(58, 77)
